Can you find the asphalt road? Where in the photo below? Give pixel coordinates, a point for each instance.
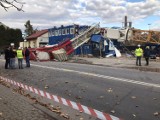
(125, 93)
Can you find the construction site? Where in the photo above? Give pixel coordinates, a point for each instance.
(66, 41)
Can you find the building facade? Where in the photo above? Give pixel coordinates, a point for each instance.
(38, 39)
(60, 34)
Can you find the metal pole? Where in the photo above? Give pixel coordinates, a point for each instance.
(100, 46)
(149, 26)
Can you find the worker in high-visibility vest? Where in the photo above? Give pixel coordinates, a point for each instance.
(138, 54)
(20, 57)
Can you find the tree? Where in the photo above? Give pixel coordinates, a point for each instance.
(6, 4)
(29, 28)
(9, 35)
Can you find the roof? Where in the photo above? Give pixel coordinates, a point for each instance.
(96, 38)
(37, 34)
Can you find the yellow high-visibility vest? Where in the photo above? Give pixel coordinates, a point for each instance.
(19, 54)
(139, 52)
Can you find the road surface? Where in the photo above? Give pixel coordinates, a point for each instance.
(125, 93)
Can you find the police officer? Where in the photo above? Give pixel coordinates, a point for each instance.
(20, 57)
(138, 54)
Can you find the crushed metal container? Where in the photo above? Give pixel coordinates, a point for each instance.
(60, 55)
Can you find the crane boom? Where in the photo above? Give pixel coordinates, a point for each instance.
(134, 35)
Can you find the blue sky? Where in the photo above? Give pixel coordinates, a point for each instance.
(47, 13)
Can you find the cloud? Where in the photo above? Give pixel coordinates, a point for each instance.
(48, 13)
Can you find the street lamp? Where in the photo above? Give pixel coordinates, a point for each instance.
(24, 44)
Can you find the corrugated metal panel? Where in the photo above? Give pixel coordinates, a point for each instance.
(84, 49)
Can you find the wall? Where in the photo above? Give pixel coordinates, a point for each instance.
(42, 39)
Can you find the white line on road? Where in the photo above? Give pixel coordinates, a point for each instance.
(102, 76)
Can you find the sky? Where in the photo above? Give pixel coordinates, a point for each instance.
(44, 14)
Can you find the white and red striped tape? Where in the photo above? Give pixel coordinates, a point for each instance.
(74, 105)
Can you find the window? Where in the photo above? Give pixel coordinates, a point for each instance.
(63, 31)
(71, 30)
(59, 32)
(52, 32)
(56, 32)
(67, 31)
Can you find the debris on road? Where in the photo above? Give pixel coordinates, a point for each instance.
(66, 82)
(81, 119)
(78, 97)
(154, 98)
(46, 87)
(113, 111)
(65, 115)
(156, 113)
(134, 115)
(101, 97)
(21, 91)
(133, 97)
(109, 90)
(5, 84)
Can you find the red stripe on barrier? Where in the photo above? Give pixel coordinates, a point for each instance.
(28, 88)
(107, 116)
(69, 103)
(45, 94)
(21, 85)
(33, 89)
(59, 98)
(80, 107)
(39, 92)
(51, 96)
(92, 112)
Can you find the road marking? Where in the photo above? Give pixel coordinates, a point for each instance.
(102, 76)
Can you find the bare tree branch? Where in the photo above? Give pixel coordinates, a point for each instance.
(6, 4)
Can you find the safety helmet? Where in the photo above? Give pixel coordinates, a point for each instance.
(139, 45)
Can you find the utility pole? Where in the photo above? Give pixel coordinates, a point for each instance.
(149, 26)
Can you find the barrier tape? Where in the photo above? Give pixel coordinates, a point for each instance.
(74, 105)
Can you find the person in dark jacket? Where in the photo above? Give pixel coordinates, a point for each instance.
(147, 54)
(12, 58)
(26, 54)
(7, 57)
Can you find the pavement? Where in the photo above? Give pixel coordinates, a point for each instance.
(122, 62)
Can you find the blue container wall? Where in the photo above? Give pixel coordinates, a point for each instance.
(62, 37)
(84, 49)
(57, 39)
